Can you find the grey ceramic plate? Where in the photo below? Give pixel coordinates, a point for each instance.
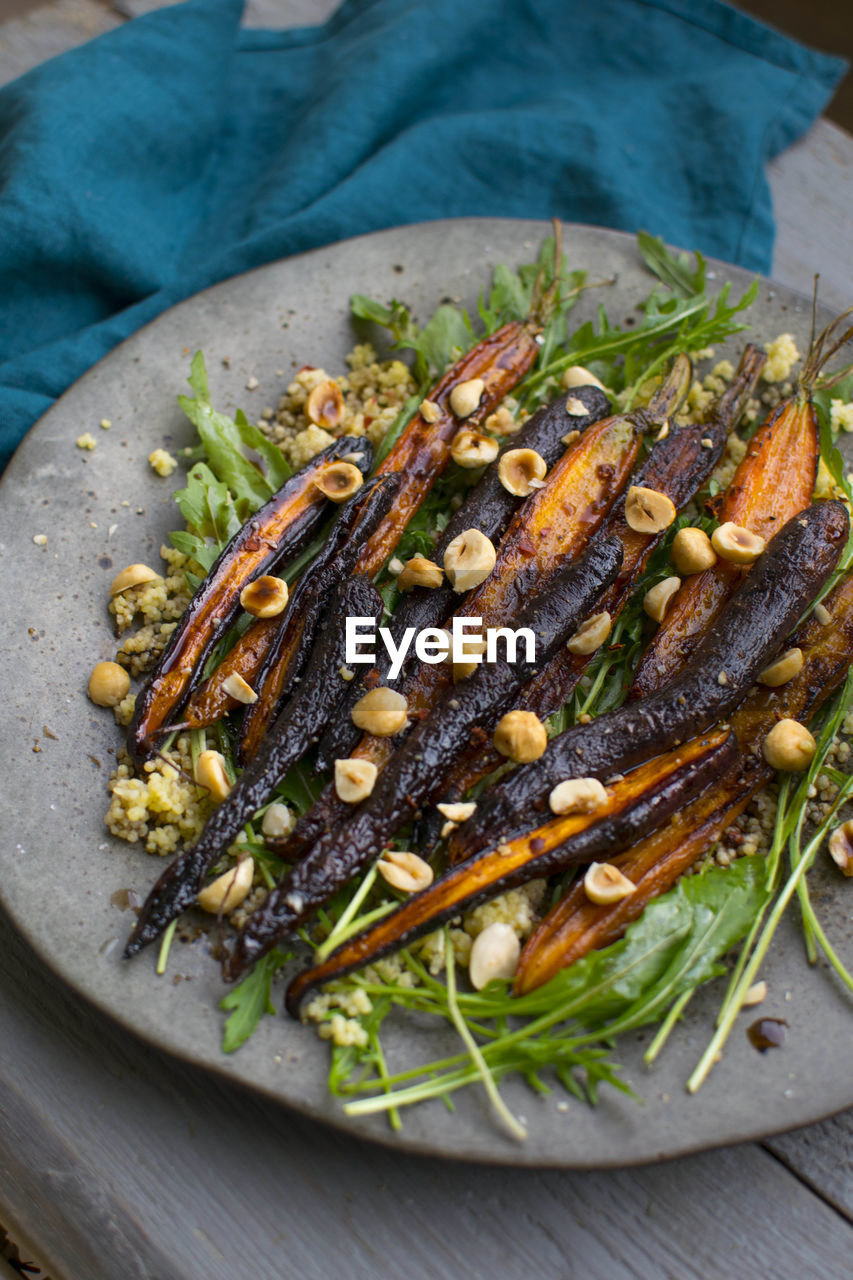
(60, 875)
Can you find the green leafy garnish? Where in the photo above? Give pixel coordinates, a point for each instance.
(239, 455)
(673, 269)
(247, 1003)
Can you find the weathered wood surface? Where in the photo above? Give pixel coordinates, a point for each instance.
(122, 1163)
(115, 1161)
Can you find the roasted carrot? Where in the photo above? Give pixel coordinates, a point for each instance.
(280, 530)
(550, 618)
(576, 926)
(288, 652)
(638, 803)
(421, 454)
(293, 732)
(488, 507)
(744, 637)
(677, 466)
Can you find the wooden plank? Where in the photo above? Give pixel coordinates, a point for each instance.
(812, 185)
(124, 1163)
(822, 1156)
(27, 41)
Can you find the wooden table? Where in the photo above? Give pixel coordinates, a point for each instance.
(117, 1163)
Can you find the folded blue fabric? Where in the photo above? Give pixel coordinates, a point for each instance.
(179, 150)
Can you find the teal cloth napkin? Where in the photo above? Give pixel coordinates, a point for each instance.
(178, 150)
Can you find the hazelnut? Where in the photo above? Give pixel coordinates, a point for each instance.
(459, 811)
(466, 396)
(419, 572)
(789, 746)
(822, 614)
(227, 891)
(692, 551)
(494, 954)
(354, 779)
(502, 423)
(756, 993)
(108, 684)
(591, 634)
(841, 848)
(647, 510)
(472, 449)
(474, 646)
(210, 773)
(325, 405)
(658, 598)
(786, 666)
(737, 545)
(429, 411)
(577, 795)
(338, 480)
(469, 559)
(520, 471)
(382, 712)
(576, 408)
(239, 689)
(406, 871)
(604, 884)
(266, 597)
(520, 736)
(277, 822)
(133, 576)
(577, 376)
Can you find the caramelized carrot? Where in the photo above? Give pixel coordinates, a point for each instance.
(576, 926)
(640, 802)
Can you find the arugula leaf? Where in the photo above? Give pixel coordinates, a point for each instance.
(398, 426)
(673, 271)
(207, 506)
(247, 1003)
(225, 443)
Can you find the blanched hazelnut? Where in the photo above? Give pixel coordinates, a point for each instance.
(494, 954)
(647, 510)
(210, 773)
(419, 572)
(576, 408)
(468, 560)
(789, 746)
(266, 597)
(841, 848)
(577, 376)
(457, 811)
(108, 684)
(224, 894)
(382, 712)
(471, 449)
(354, 779)
(736, 544)
(591, 634)
(277, 822)
(405, 871)
(756, 993)
(502, 423)
(338, 480)
(239, 689)
(466, 396)
(604, 884)
(520, 736)
(474, 646)
(429, 411)
(822, 614)
(577, 795)
(325, 405)
(658, 598)
(133, 576)
(520, 471)
(786, 666)
(692, 551)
